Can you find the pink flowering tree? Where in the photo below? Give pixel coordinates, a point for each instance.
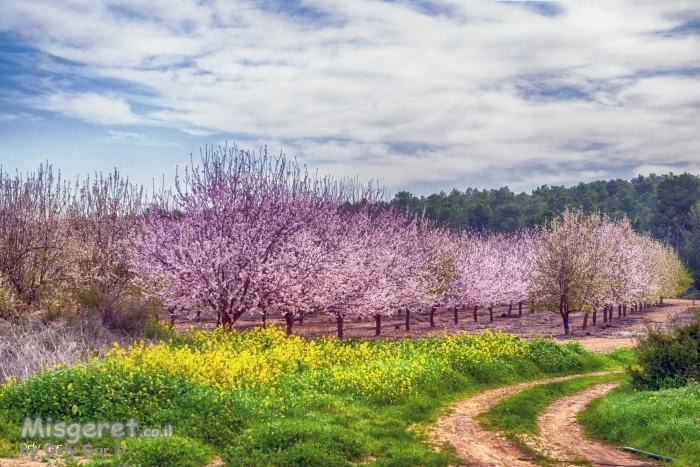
(382, 262)
(243, 233)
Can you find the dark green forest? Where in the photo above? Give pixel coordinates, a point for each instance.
(664, 206)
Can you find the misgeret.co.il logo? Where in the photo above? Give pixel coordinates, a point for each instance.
(73, 431)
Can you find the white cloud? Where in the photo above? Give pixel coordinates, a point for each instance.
(92, 107)
(386, 91)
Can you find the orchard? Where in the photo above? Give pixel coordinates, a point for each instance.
(245, 233)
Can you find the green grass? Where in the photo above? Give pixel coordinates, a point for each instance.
(665, 422)
(518, 413)
(300, 419)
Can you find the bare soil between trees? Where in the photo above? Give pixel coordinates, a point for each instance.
(604, 337)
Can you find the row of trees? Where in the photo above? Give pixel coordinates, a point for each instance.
(247, 233)
(665, 206)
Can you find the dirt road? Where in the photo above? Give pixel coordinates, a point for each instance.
(563, 439)
(477, 446)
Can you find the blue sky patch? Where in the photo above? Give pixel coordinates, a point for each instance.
(687, 28)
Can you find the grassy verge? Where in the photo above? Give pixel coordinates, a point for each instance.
(665, 422)
(259, 398)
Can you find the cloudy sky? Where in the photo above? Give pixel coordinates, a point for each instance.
(420, 95)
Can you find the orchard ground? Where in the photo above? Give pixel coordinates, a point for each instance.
(604, 337)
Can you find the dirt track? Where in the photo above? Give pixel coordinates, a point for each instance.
(562, 438)
(477, 446)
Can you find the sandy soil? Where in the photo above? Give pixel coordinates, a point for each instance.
(562, 437)
(477, 446)
(26, 461)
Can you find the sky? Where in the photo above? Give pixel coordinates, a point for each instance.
(418, 95)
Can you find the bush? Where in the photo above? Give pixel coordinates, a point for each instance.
(668, 360)
(121, 313)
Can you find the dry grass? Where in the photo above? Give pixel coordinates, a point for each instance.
(30, 347)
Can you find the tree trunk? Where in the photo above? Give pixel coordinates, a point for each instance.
(408, 315)
(491, 314)
(585, 321)
(605, 314)
(339, 320)
(456, 317)
(432, 314)
(595, 313)
(475, 308)
(510, 308)
(520, 308)
(564, 312)
(619, 311)
(226, 320)
(624, 310)
(378, 325)
(264, 318)
(289, 319)
(301, 320)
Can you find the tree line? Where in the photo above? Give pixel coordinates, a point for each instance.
(666, 207)
(247, 233)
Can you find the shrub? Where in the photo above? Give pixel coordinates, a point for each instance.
(668, 360)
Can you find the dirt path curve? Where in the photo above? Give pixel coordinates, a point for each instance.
(562, 437)
(477, 446)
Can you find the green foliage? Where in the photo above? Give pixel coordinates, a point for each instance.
(8, 433)
(316, 411)
(159, 330)
(675, 197)
(504, 211)
(310, 442)
(519, 413)
(553, 358)
(665, 422)
(161, 452)
(668, 360)
(691, 250)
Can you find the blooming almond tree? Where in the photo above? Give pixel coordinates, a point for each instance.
(383, 265)
(242, 234)
(562, 264)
